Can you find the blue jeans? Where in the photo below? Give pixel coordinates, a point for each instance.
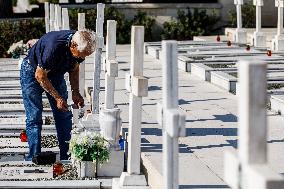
(32, 98)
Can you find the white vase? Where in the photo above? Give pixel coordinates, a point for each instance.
(86, 169)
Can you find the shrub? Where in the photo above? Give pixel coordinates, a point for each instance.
(142, 19)
(189, 24)
(123, 26)
(91, 15)
(248, 15)
(12, 31)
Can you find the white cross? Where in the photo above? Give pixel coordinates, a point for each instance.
(65, 19)
(46, 13)
(249, 169)
(278, 41)
(240, 34)
(111, 64)
(51, 17)
(98, 53)
(169, 116)
(259, 39)
(81, 26)
(110, 120)
(137, 85)
(58, 18)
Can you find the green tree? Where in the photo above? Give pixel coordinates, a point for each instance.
(189, 24)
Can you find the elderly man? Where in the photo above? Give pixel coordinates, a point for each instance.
(43, 69)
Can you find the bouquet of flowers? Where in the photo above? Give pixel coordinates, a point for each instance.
(17, 49)
(89, 146)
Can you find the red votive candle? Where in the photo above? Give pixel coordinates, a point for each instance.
(57, 168)
(23, 136)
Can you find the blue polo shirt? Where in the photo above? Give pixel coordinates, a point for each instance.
(52, 52)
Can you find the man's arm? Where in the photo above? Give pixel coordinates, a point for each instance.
(41, 77)
(74, 82)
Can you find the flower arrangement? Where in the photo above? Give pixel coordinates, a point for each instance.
(89, 146)
(17, 49)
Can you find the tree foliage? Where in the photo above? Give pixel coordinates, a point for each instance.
(189, 24)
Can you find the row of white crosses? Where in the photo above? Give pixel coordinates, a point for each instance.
(278, 41)
(248, 169)
(137, 85)
(56, 18)
(259, 38)
(240, 36)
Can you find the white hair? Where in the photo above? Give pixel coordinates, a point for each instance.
(85, 40)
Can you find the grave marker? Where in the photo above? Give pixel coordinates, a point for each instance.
(51, 17)
(98, 53)
(172, 120)
(249, 169)
(110, 116)
(259, 39)
(46, 12)
(81, 26)
(137, 85)
(240, 35)
(65, 19)
(278, 41)
(58, 18)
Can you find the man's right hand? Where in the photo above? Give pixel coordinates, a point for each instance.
(61, 104)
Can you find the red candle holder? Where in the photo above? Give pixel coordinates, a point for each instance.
(23, 136)
(218, 38)
(248, 48)
(269, 53)
(57, 169)
(229, 43)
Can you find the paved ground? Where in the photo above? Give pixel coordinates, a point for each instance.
(211, 126)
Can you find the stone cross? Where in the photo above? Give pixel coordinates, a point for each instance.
(81, 26)
(138, 88)
(280, 4)
(110, 121)
(249, 169)
(259, 39)
(75, 113)
(111, 64)
(51, 17)
(65, 19)
(169, 116)
(278, 41)
(137, 85)
(98, 53)
(46, 12)
(58, 18)
(240, 34)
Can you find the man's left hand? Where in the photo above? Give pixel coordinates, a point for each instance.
(78, 99)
